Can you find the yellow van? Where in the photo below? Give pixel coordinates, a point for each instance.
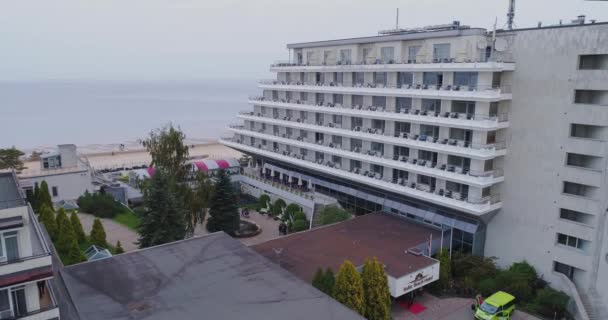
(499, 306)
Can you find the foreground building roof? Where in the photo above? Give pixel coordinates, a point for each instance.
(212, 277)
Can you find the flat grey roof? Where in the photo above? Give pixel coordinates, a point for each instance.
(10, 196)
(210, 277)
(397, 37)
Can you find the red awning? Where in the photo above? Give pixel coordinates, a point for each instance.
(200, 165)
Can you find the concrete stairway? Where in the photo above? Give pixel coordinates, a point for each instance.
(594, 305)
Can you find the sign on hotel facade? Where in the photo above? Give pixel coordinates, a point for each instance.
(413, 280)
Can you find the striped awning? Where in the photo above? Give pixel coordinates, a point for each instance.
(208, 164)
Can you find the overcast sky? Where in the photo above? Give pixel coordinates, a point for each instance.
(186, 39)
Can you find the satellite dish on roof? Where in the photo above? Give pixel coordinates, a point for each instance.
(482, 44)
(500, 44)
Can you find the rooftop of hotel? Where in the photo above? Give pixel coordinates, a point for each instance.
(214, 275)
(384, 236)
(10, 196)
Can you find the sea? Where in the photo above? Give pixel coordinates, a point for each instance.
(39, 115)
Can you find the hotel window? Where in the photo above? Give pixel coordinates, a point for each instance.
(275, 146)
(355, 164)
(401, 127)
(263, 126)
(303, 152)
(575, 216)
(263, 142)
(427, 155)
(320, 97)
(564, 269)
(356, 143)
(464, 107)
(378, 147)
(387, 54)
(358, 78)
(289, 113)
(377, 169)
(441, 52)
(275, 95)
(288, 95)
(275, 113)
(303, 115)
(432, 78)
(337, 119)
(433, 105)
(468, 79)
(412, 52)
(275, 130)
(430, 131)
(401, 151)
(356, 122)
(319, 156)
(18, 307)
(357, 100)
(338, 98)
(379, 101)
(422, 179)
(404, 78)
(54, 191)
(52, 162)
(304, 134)
(309, 57)
(378, 124)
(461, 134)
(326, 56)
(336, 140)
(365, 54)
(319, 118)
(263, 110)
(339, 76)
(345, 55)
(380, 78)
(403, 103)
(571, 241)
(460, 162)
(336, 159)
(289, 131)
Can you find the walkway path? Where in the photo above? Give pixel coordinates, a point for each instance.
(114, 231)
(444, 309)
(270, 229)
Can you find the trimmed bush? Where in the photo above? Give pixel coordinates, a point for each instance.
(98, 234)
(299, 225)
(264, 201)
(549, 302)
(333, 214)
(100, 205)
(348, 289)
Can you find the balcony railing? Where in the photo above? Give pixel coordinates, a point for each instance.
(394, 85)
(503, 117)
(346, 63)
(429, 141)
(414, 164)
(365, 175)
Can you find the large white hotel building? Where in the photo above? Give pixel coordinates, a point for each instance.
(498, 138)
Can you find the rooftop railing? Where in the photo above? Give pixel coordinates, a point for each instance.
(346, 63)
(393, 85)
(502, 117)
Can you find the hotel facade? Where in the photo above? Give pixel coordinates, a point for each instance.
(496, 138)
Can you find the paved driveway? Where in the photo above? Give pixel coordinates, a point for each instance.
(270, 229)
(114, 231)
(445, 309)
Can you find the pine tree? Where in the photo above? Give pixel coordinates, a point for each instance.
(349, 288)
(47, 218)
(376, 292)
(164, 221)
(119, 248)
(73, 254)
(318, 281)
(35, 197)
(445, 269)
(330, 281)
(77, 227)
(98, 234)
(65, 233)
(44, 197)
(223, 212)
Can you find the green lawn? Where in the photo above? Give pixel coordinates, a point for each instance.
(128, 219)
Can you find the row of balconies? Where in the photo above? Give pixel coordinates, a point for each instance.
(451, 92)
(446, 64)
(446, 118)
(474, 201)
(441, 142)
(436, 167)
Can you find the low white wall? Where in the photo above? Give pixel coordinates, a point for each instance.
(70, 186)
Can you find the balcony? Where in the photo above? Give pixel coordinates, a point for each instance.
(447, 119)
(410, 164)
(449, 92)
(440, 197)
(450, 64)
(48, 308)
(447, 146)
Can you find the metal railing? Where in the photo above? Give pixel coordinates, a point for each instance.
(450, 142)
(492, 199)
(7, 204)
(502, 117)
(393, 85)
(353, 64)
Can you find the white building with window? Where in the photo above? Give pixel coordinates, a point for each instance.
(497, 139)
(25, 258)
(67, 174)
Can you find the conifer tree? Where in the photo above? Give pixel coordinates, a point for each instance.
(65, 233)
(376, 292)
(349, 288)
(47, 218)
(330, 281)
(98, 234)
(77, 227)
(44, 197)
(119, 248)
(223, 211)
(73, 254)
(445, 269)
(165, 218)
(318, 281)
(35, 197)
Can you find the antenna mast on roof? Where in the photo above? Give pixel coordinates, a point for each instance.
(397, 20)
(511, 14)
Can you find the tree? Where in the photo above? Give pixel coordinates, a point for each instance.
(98, 234)
(73, 254)
(65, 233)
(324, 281)
(318, 281)
(445, 269)
(77, 227)
(264, 201)
(35, 196)
(10, 159)
(223, 212)
(330, 281)
(165, 217)
(349, 288)
(277, 207)
(47, 218)
(198, 200)
(299, 225)
(119, 248)
(375, 289)
(168, 151)
(43, 196)
(333, 214)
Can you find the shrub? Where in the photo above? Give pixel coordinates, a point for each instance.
(300, 216)
(299, 225)
(291, 211)
(264, 201)
(118, 249)
(348, 289)
(77, 228)
(375, 287)
(549, 302)
(98, 234)
(100, 204)
(487, 286)
(333, 214)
